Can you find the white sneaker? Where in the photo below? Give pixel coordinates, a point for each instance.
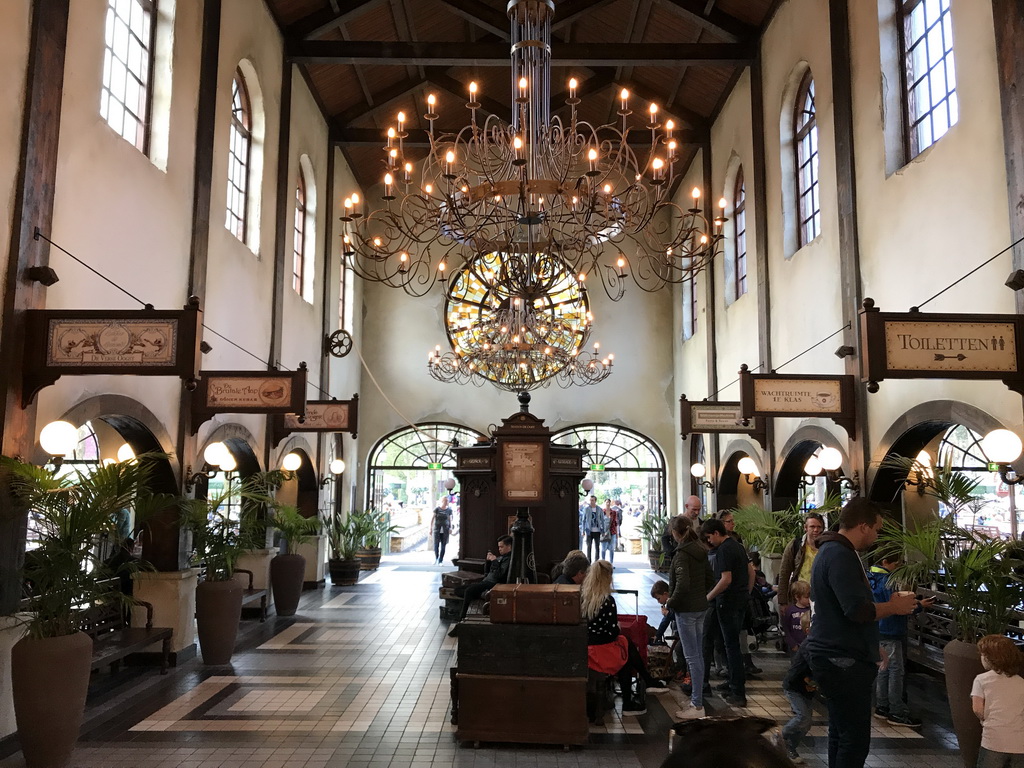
(690, 713)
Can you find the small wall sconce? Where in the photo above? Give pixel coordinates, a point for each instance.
(587, 485)
(291, 462)
(58, 439)
(697, 472)
(1001, 446)
(922, 475)
(749, 469)
(449, 484)
(336, 468)
(216, 458)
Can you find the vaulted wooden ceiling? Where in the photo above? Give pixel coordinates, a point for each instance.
(366, 60)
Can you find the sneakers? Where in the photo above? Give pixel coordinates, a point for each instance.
(657, 686)
(690, 713)
(882, 712)
(904, 720)
(752, 669)
(794, 756)
(723, 687)
(632, 709)
(740, 702)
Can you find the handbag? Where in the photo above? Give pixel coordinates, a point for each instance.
(608, 658)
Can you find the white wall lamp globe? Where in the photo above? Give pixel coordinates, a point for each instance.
(291, 462)
(215, 454)
(830, 459)
(1001, 446)
(125, 453)
(698, 470)
(337, 467)
(746, 466)
(229, 463)
(59, 438)
(813, 467)
(587, 484)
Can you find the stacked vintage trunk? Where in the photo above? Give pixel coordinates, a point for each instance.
(522, 672)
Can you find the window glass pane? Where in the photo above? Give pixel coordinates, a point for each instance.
(930, 72)
(127, 61)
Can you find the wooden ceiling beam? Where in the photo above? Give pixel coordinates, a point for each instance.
(482, 16)
(325, 20)
(382, 100)
(722, 24)
(692, 118)
(455, 54)
(573, 10)
(419, 138)
(446, 82)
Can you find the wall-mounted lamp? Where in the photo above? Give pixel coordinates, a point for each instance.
(587, 485)
(1001, 446)
(922, 475)
(449, 484)
(697, 472)
(291, 462)
(216, 458)
(58, 439)
(749, 469)
(336, 468)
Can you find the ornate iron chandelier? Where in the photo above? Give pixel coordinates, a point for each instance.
(571, 189)
(519, 321)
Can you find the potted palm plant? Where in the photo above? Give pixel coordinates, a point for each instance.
(65, 574)
(373, 527)
(975, 579)
(288, 568)
(343, 538)
(652, 526)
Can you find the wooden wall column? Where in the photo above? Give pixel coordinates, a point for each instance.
(327, 313)
(712, 452)
(33, 207)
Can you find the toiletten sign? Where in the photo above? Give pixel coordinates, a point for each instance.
(916, 345)
(143, 342)
(718, 417)
(801, 396)
(269, 392)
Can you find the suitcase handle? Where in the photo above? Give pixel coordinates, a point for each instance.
(635, 593)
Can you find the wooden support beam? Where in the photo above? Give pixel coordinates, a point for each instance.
(573, 10)
(383, 100)
(463, 54)
(721, 24)
(693, 119)
(325, 20)
(444, 81)
(482, 16)
(282, 222)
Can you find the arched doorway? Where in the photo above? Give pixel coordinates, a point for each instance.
(406, 476)
(625, 465)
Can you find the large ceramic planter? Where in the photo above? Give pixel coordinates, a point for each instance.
(218, 611)
(286, 574)
(50, 680)
(369, 558)
(962, 663)
(344, 573)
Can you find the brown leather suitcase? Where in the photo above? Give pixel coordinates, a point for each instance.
(526, 650)
(460, 578)
(535, 604)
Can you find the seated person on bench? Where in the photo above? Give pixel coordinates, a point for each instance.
(574, 568)
(497, 573)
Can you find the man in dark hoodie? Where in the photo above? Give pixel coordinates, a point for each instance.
(843, 646)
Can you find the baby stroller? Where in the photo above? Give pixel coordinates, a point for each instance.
(762, 621)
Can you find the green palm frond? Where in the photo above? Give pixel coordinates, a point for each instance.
(770, 530)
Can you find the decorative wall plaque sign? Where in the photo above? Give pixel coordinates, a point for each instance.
(917, 345)
(142, 342)
(804, 396)
(521, 481)
(270, 392)
(718, 417)
(320, 416)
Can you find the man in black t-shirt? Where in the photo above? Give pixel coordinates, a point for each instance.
(732, 585)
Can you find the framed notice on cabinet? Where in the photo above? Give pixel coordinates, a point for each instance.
(522, 466)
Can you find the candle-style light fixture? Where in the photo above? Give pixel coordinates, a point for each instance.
(589, 195)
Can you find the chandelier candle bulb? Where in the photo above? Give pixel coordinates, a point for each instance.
(391, 137)
(573, 84)
(624, 98)
(523, 89)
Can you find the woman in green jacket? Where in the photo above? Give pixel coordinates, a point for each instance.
(690, 581)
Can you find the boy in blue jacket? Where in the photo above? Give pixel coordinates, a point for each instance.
(889, 702)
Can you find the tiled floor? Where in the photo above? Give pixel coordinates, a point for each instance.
(360, 678)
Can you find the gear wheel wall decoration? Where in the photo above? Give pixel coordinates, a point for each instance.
(339, 343)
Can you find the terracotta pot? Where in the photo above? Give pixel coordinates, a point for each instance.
(962, 663)
(286, 574)
(218, 611)
(50, 678)
(369, 558)
(344, 573)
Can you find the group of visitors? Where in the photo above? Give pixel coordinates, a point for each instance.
(600, 528)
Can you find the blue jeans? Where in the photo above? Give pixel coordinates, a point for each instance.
(889, 685)
(690, 627)
(847, 685)
(608, 548)
(798, 725)
(732, 610)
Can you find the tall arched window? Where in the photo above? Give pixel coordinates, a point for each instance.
(239, 158)
(126, 95)
(805, 139)
(739, 224)
(299, 236)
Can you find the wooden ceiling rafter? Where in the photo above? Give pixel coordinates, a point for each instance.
(707, 16)
(482, 16)
(573, 10)
(326, 20)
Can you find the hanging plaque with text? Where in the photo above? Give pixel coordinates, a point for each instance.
(320, 416)
(135, 342)
(917, 345)
(269, 392)
(717, 417)
(803, 396)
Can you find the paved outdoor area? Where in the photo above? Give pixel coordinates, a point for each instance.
(360, 678)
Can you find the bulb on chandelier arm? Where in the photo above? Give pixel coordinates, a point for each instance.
(657, 167)
(356, 211)
(403, 262)
(671, 149)
(388, 181)
(431, 115)
(653, 110)
(449, 162)
(408, 172)
(624, 99)
(523, 89)
(473, 104)
(401, 125)
(669, 127)
(347, 210)
(592, 159)
(391, 137)
(573, 84)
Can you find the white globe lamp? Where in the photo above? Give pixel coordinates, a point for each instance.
(831, 459)
(291, 462)
(215, 454)
(59, 438)
(698, 470)
(747, 466)
(1001, 446)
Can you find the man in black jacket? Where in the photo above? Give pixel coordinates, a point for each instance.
(843, 646)
(730, 594)
(497, 573)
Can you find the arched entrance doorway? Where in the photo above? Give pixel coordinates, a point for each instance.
(406, 476)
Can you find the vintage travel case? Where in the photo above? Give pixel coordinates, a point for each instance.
(535, 604)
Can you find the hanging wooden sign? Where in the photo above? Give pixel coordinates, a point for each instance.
(269, 392)
(718, 418)
(799, 396)
(320, 416)
(89, 342)
(934, 345)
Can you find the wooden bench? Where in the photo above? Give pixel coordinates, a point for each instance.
(408, 538)
(113, 638)
(251, 595)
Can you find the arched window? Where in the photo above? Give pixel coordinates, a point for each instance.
(239, 158)
(739, 224)
(126, 95)
(689, 306)
(299, 236)
(805, 140)
(930, 105)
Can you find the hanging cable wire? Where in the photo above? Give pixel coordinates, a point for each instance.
(964, 277)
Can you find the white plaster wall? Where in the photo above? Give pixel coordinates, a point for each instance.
(14, 38)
